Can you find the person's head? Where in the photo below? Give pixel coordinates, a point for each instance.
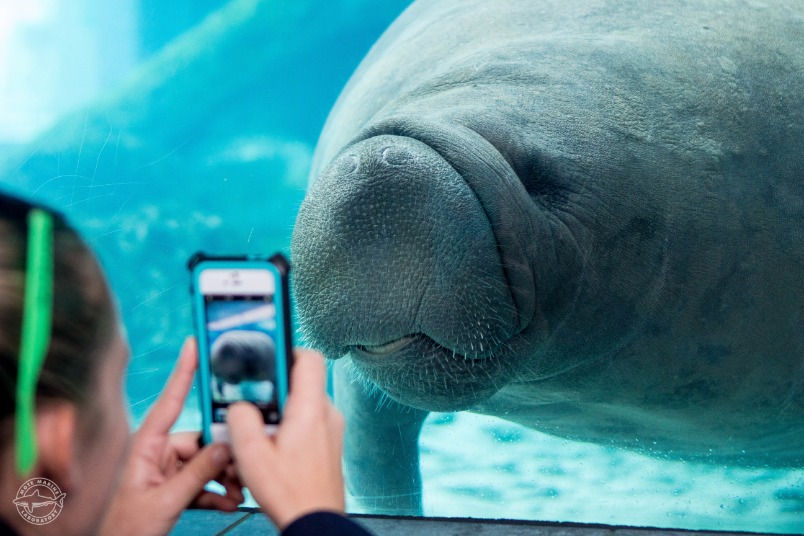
(80, 420)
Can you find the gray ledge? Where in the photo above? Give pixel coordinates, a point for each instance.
(251, 521)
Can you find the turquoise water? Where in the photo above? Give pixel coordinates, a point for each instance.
(198, 134)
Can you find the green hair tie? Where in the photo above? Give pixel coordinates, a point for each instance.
(35, 338)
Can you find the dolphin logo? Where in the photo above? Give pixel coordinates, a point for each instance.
(36, 500)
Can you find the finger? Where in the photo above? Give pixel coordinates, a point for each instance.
(249, 443)
(231, 483)
(180, 490)
(337, 425)
(307, 397)
(336, 420)
(208, 500)
(308, 376)
(170, 403)
(232, 474)
(233, 487)
(184, 444)
(181, 447)
(170, 463)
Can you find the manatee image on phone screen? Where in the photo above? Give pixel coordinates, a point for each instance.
(242, 334)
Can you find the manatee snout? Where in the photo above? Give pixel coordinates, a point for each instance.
(396, 264)
(243, 355)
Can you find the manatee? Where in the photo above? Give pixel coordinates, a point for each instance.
(584, 217)
(243, 356)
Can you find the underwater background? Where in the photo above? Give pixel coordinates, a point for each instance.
(162, 128)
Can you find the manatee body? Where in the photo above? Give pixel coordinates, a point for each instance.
(583, 217)
(243, 356)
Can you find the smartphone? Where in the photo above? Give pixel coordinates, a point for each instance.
(241, 310)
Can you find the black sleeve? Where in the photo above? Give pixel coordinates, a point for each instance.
(324, 524)
(6, 530)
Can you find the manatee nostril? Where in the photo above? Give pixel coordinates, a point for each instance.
(347, 164)
(396, 156)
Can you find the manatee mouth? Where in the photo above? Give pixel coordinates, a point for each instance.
(387, 348)
(416, 371)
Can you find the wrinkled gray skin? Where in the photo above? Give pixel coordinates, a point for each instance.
(584, 217)
(243, 355)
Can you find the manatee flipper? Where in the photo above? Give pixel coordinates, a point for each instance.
(381, 451)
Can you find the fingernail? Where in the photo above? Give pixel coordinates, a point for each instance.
(220, 455)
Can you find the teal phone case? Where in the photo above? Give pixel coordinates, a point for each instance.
(280, 268)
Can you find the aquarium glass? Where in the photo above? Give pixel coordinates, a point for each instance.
(163, 128)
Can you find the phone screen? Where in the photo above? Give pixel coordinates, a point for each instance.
(242, 353)
(241, 335)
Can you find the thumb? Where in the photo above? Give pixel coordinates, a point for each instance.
(206, 465)
(250, 445)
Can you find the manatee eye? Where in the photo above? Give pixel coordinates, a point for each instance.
(387, 348)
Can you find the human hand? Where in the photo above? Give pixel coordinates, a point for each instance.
(297, 470)
(165, 473)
